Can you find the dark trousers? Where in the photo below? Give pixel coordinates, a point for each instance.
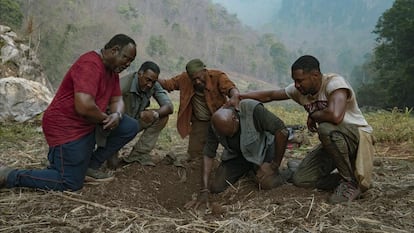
(68, 162)
(230, 171)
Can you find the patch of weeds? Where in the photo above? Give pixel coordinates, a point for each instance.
(392, 126)
(13, 134)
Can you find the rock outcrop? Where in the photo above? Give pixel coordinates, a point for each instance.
(24, 89)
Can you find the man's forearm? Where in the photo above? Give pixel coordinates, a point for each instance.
(94, 115)
(86, 107)
(281, 138)
(234, 92)
(165, 110)
(324, 115)
(117, 106)
(207, 166)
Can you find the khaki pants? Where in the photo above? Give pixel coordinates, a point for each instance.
(149, 136)
(338, 149)
(197, 138)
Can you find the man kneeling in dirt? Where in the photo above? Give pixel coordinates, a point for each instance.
(137, 90)
(253, 139)
(79, 130)
(345, 137)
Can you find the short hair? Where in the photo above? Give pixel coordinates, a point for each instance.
(306, 63)
(121, 40)
(149, 65)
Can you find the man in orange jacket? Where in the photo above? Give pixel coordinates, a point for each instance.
(202, 92)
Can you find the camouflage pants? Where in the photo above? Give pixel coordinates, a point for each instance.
(338, 149)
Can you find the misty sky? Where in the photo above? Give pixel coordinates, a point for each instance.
(263, 10)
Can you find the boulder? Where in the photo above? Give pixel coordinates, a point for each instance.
(22, 99)
(25, 90)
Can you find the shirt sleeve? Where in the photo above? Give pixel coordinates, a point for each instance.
(264, 120)
(172, 83)
(86, 78)
(337, 82)
(225, 84)
(210, 148)
(291, 91)
(160, 95)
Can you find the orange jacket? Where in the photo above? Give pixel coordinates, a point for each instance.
(218, 87)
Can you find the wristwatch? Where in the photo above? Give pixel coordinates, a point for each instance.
(156, 115)
(119, 115)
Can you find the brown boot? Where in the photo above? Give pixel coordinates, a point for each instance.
(4, 172)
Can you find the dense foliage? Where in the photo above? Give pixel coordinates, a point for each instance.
(337, 32)
(169, 32)
(390, 71)
(181, 30)
(10, 13)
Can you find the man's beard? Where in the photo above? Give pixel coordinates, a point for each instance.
(199, 88)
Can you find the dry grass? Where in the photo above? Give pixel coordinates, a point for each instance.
(387, 207)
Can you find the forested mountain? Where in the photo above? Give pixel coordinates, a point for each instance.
(337, 32)
(367, 41)
(388, 75)
(169, 32)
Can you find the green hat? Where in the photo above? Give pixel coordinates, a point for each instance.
(194, 66)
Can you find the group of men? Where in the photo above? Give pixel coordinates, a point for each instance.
(95, 113)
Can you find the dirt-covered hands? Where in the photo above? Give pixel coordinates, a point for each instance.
(201, 199)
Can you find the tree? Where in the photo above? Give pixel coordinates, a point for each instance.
(394, 57)
(279, 56)
(157, 46)
(10, 13)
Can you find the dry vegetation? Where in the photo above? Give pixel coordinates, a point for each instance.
(144, 199)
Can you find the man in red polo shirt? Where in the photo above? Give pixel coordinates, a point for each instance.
(84, 125)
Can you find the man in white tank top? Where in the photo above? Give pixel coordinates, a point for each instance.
(334, 114)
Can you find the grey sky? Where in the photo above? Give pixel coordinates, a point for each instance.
(263, 10)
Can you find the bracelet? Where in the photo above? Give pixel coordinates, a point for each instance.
(119, 115)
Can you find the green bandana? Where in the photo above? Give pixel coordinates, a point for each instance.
(194, 66)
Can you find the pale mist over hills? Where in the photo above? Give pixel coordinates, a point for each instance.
(252, 12)
(338, 32)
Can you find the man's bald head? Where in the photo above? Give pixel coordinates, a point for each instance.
(225, 121)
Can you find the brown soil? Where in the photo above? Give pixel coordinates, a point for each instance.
(152, 199)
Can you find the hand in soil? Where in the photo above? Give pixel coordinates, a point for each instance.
(201, 199)
(264, 171)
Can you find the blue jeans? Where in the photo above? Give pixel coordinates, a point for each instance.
(68, 162)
